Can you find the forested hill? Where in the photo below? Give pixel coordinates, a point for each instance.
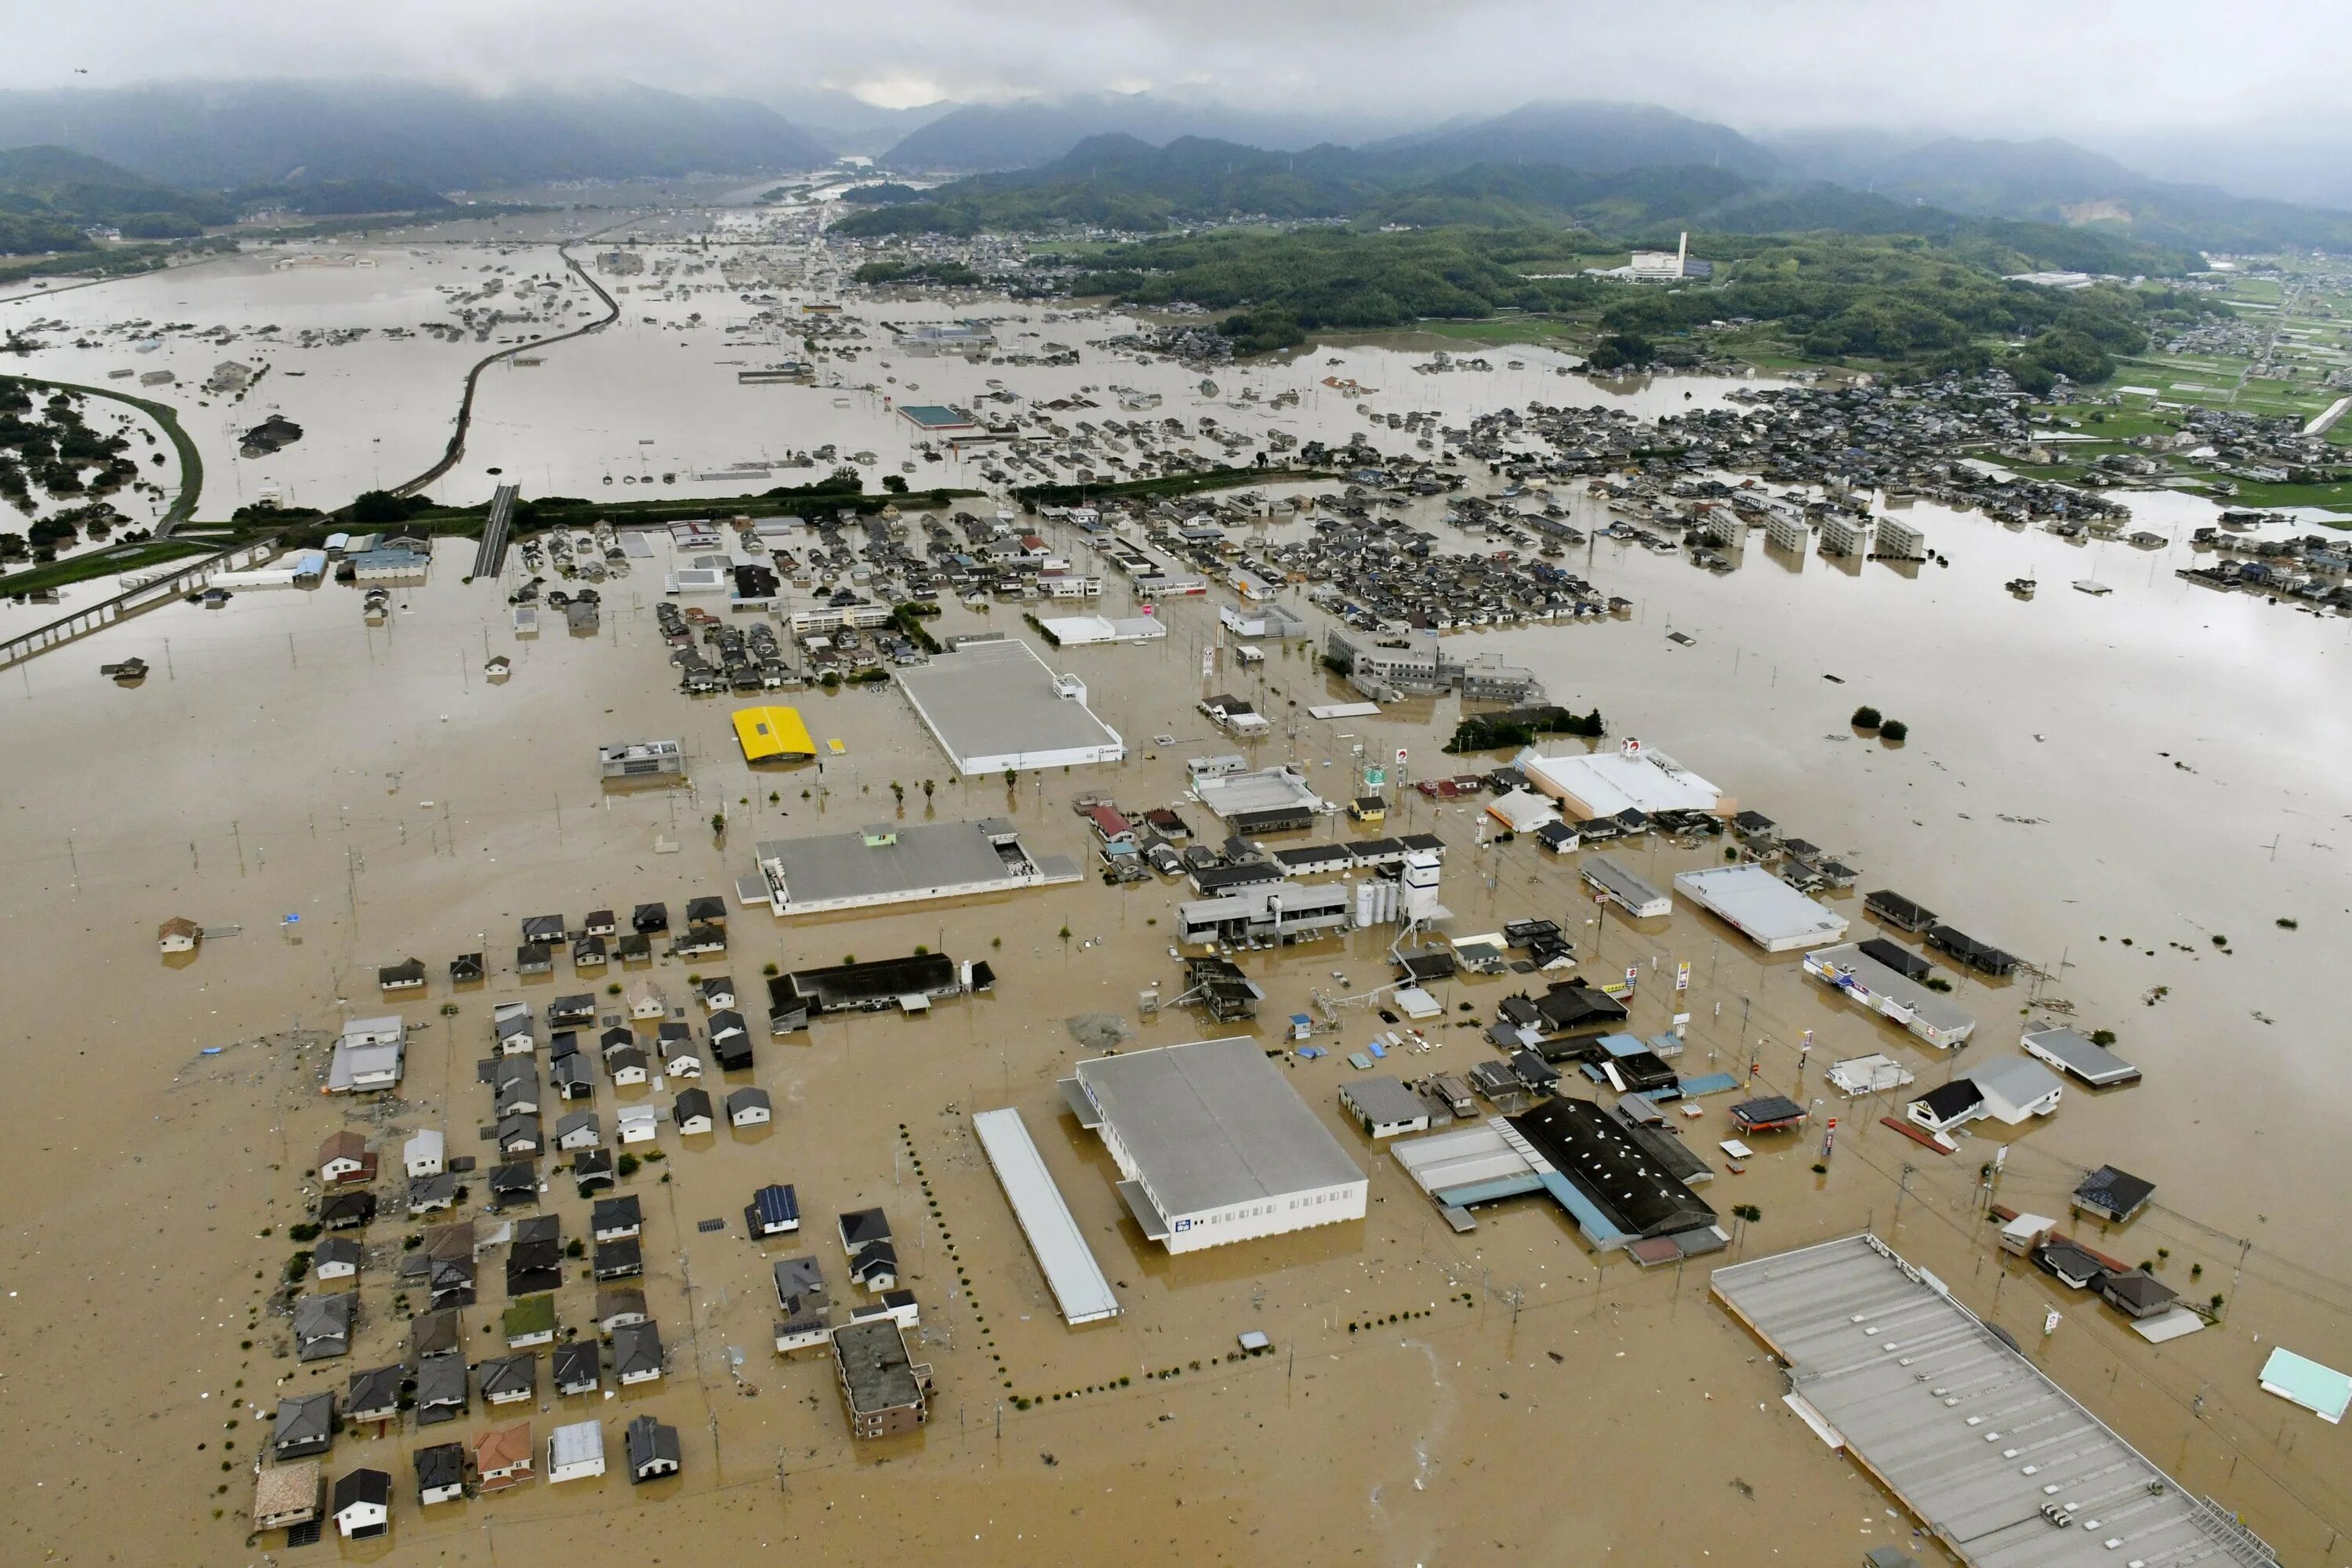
(1529, 168)
(50, 198)
(49, 195)
(1120, 184)
(1897, 300)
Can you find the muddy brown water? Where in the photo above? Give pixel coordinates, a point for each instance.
(282, 761)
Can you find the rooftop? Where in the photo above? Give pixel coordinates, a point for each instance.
(1922, 1393)
(1213, 1125)
(995, 705)
(1593, 1151)
(1080, 1288)
(1765, 908)
(773, 734)
(874, 1365)
(1606, 782)
(1382, 1101)
(911, 860)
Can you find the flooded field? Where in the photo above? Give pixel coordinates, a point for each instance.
(2161, 764)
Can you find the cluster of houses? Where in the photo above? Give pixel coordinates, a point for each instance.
(885, 1391)
(2112, 1198)
(434, 1382)
(1132, 846)
(592, 946)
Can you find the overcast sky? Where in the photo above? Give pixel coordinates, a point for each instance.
(1993, 66)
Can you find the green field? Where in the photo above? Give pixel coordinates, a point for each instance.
(101, 562)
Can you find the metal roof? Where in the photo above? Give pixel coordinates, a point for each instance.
(1623, 885)
(989, 702)
(2079, 1055)
(1766, 910)
(1213, 1125)
(770, 733)
(921, 859)
(1966, 1433)
(1382, 1101)
(1080, 1288)
(1952, 1022)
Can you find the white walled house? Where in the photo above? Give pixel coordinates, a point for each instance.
(576, 1452)
(425, 1153)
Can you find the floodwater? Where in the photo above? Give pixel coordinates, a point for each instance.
(287, 760)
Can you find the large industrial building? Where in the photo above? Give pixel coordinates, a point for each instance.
(1215, 1145)
(994, 708)
(902, 862)
(1761, 907)
(1998, 1462)
(1623, 1185)
(1608, 784)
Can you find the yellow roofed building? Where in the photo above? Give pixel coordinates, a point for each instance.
(774, 735)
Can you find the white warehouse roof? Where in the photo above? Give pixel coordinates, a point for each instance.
(1080, 1288)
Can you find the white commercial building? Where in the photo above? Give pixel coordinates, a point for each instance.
(1761, 907)
(994, 708)
(1879, 988)
(902, 862)
(1631, 778)
(1078, 631)
(1215, 1145)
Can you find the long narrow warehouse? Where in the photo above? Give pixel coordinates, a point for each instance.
(1081, 1290)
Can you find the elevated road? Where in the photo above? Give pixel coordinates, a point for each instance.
(492, 555)
(456, 448)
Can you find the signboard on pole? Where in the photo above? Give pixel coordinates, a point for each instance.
(1633, 975)
(1829, 1138)
(1400, 758)
(1682, 976)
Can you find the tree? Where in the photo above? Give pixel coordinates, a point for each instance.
(376, 506)
(895, 483)
(1893, 729)
(1865, 716)
(1621, 351)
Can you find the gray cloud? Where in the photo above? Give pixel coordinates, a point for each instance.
(2002, 67)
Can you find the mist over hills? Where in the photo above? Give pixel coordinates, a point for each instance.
(982, 137)
(210, 135)
(1124, 161)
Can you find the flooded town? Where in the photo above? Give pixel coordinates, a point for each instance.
(863, 905)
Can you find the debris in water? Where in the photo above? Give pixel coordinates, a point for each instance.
(1099, 1031)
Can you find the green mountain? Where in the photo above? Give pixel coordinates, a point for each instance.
(49, 195)
(1121, 183)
